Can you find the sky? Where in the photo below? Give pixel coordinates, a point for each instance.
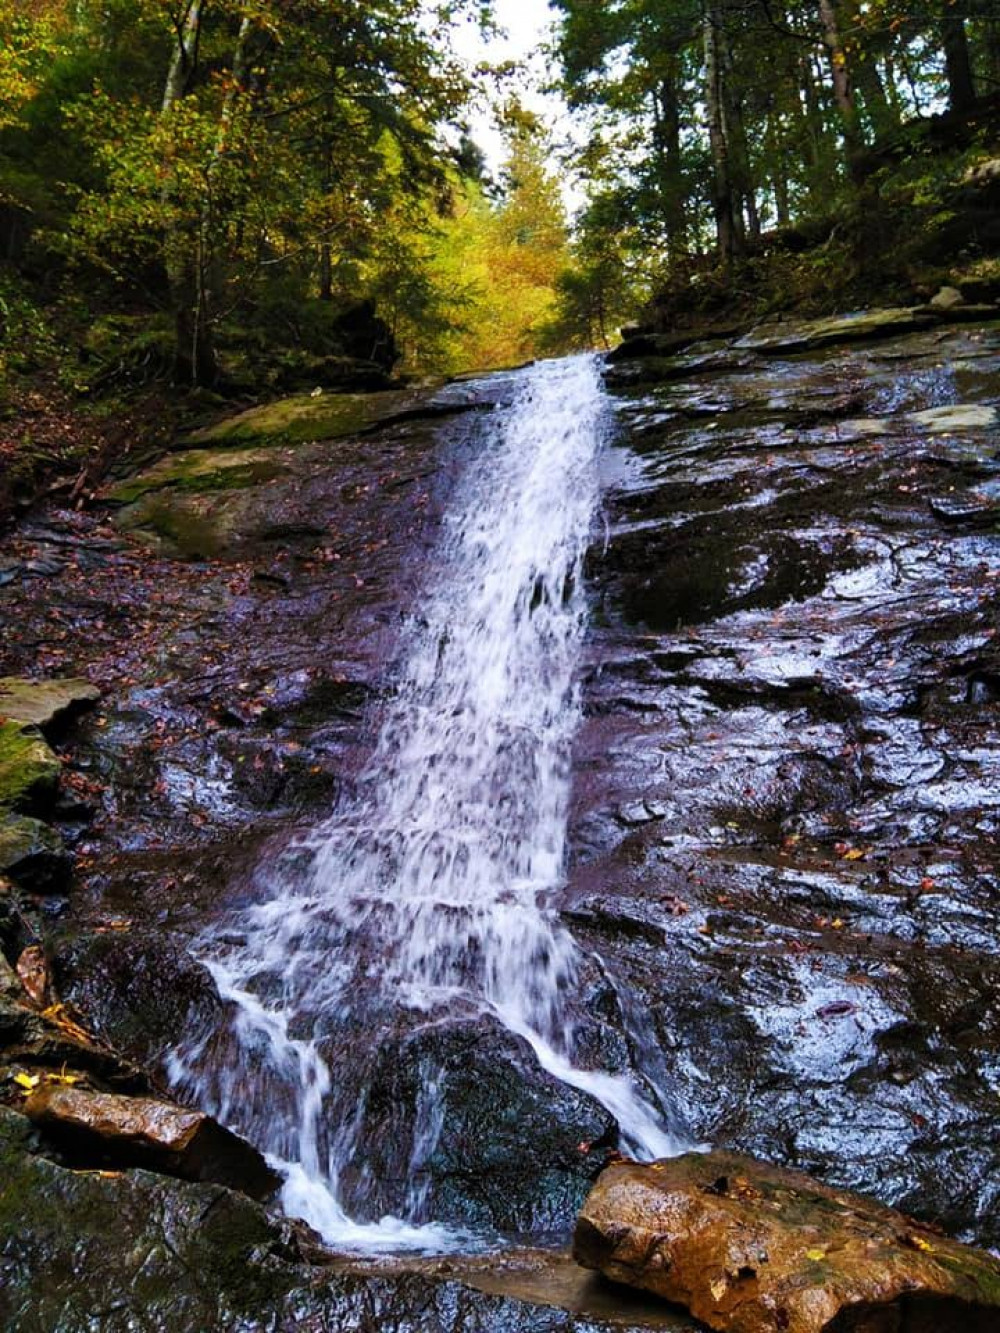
(527, 23)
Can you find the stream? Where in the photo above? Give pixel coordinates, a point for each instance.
(429, 890)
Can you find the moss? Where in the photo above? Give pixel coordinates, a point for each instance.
(197, 533)
(83, 1248)
(304, 418)
(202, 471)
(29, 771)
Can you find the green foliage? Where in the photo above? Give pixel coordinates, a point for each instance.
(715, 125)
(27, 339)
(214, 157)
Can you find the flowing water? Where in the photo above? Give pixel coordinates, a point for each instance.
(430, 890)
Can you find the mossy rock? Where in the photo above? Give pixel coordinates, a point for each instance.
(119, 1250)
(201, 471)
(29, 771)
(38, 703)
(304, 418)
(31, 852)
(191, 526)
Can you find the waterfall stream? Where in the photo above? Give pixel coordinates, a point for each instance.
(431, 887)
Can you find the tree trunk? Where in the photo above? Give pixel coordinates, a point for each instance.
(325, 272)
(194, 355)
(184, 57)
(667, 137)
(990, 42)
(779, 176)
(744, 185)
(843, 91)
(883, 116)
(958, 66)
(722, 183)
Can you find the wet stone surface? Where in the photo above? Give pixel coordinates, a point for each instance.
(795, 657)
(786, 798)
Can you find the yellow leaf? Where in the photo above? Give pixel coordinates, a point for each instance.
(919, 1243)
(855, 854)
(718, 1288)
(815, 1254)
(26, 1081)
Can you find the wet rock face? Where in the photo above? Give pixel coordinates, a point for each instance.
(140, 990)
(749, 1248)
(793, 661)
(784, 859)
(460, 1116)
(119, 1250)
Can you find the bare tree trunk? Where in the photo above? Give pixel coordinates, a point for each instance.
(958, 66)
(184, 57)
(843, 91)
(194, 358)
(722, 183)
(779, 177)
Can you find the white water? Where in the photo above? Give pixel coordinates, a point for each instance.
(432, 886)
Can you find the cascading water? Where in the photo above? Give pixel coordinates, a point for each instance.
(430, 887)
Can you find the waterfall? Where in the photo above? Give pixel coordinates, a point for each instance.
(432, 885)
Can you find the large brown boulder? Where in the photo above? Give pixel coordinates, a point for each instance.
(749, 1248)
(101, 1128)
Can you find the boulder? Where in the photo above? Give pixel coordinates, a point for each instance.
(304, 417)
(29, 770)
(749, 1248)
(39, 703)
(31, 852)
(102, 1127)
(493, 1141)
(947, 298)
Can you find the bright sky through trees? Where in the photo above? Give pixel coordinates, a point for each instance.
(525, 27)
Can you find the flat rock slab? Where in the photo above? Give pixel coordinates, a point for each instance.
(957, 417)
(810, 335)
(326, 416)
(146, 1132)
(748, 1247)
(38, 703)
